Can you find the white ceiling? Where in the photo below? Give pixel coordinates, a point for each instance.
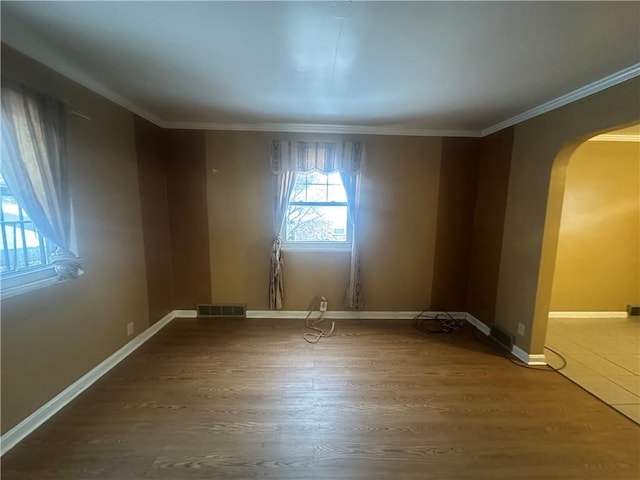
(464, 68)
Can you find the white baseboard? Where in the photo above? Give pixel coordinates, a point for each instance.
(12, 437)
(528, 358)
(478, 324)
(588, 315)
(344, 314)
(185, 314)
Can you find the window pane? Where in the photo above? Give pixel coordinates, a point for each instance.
(10, 208)
(315, 177)
(334, 178)
(299, 192)
(316, 224)
(317, 193)
(21, 245)
(336, 193)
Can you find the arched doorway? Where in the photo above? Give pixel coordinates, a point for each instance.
(597, 268)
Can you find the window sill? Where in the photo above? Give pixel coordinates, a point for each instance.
(316, 248)
(25, 282)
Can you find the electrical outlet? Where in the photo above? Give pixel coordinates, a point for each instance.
(520, 328)
(323, 305)
(130, 329)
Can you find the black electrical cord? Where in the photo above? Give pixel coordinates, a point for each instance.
(519, 363)
(442, 322)
(445, 323)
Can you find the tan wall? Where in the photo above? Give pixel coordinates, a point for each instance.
(536, 188)
(54, 335)
(494, 165)
(152, 176)
(238, 217)
(598, 259)
(188, 219)
(399, 215)
(456, 205)
(399, 211)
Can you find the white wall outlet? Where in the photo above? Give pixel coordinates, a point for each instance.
(323, 304)
(130, 327)
(520, 328)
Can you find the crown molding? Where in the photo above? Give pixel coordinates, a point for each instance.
(595, 87)
(31, 46)
(615, 137)
(322, 128)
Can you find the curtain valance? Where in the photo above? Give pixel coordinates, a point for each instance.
(325, 157)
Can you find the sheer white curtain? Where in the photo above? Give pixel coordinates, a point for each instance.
(353, 297)
(282, 185)
(288, 156)
(34, 165)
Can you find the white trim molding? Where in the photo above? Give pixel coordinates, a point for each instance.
(615, 137)
(578, 94)
(12, 437)
(18, 36)
(478, 324)
(315, 128)
(15, 435)
(528, 358)
(347, 314)
(184, 314)
(588, 315)
(32, 46)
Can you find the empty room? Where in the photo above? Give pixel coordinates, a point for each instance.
(320, 240)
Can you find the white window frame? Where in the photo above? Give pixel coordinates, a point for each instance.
(317, 246)
(28, 278)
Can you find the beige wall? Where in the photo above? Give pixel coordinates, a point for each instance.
(154, 202)
(173, 197)
(54, 335)
(188, 220)
(238, 217)
(399, 212)
(220, 231)
(536, 188)
(598, 259)
(494, 164)
(454, 232)
(399, 215)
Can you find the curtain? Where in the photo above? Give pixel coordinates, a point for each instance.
(325, 157)
(297, 156)
(282, 186)
(35, 168)
(353, 297)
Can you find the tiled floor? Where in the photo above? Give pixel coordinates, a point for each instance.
(603, 357)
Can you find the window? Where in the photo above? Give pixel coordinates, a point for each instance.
(318, 214)
(35, 202)
(23, 247)
(24, 252)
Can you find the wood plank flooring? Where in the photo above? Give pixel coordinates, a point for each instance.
(242, 399)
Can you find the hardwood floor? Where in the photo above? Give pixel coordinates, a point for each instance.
(248, 399)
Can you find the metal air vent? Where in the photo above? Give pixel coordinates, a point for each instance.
(504, 338)
(222, 310)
